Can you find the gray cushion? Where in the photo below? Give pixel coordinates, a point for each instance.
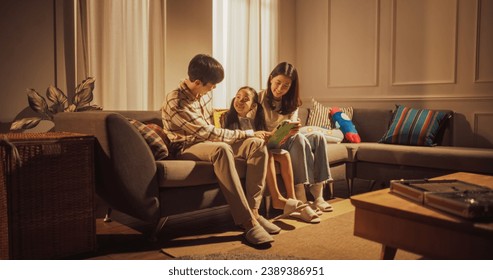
(337, 153)
(439, 157)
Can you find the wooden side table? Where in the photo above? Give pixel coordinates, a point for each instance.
(46, 195)
(398, 223)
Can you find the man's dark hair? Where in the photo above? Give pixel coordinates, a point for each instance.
(206, 69)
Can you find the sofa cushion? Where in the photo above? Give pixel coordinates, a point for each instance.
(347, 127)
(438, 157)
(337, 153)
(153, 140)
(319, 115)
(411, 126)
(185, 173)
(331, 135)
(217, 114)
(172, 148)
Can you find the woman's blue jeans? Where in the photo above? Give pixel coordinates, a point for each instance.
(309, 158)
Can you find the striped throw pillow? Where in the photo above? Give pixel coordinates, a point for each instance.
(319, 115)
(418, 127)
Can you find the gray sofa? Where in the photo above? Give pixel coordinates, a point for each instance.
(131, 181)
(128, 178)
(378, 162)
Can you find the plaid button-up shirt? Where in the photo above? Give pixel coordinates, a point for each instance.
(188, 120)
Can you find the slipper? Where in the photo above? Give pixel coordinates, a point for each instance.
(257, 235)
(306, 215)
(292, 205)
(268, 226)
(315, 208)
(323, 205)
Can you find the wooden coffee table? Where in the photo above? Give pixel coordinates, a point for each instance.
(398, 223)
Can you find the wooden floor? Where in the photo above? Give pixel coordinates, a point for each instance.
(125, 237)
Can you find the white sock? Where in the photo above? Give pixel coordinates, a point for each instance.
(317, 190)
(299, 191)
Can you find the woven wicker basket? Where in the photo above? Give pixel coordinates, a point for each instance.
(46, 195)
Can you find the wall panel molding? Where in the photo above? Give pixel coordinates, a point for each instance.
(424, 42)
(483, 130)
(353, 43)
(379, 99)
(484, 42)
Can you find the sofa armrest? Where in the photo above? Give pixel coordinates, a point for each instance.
(125, 168)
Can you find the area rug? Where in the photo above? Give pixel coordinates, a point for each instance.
(332, 239)
(239, 256)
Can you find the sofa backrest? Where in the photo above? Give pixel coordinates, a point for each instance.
(372, 124)
(143, 116)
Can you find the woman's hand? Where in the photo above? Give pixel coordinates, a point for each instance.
(295, 129)
(291, 133)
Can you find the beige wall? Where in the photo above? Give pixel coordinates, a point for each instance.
(27, 53)
(370, 53)
(30, 43)
(364, 53)
(287, 31)
(188, 32)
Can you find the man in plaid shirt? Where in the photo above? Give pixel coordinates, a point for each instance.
(187, 115)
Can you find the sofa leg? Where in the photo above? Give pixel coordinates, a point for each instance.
(107, 218)
(267, 203)
(349, 187)
(331, 189)
(157, 229)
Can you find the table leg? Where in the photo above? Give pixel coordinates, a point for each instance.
(388, 253)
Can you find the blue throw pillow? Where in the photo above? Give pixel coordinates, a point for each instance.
(418, 127)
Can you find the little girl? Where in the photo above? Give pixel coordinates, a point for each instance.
(247, 113)
(309, 152)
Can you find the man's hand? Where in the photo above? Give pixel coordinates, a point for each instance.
(262, 134)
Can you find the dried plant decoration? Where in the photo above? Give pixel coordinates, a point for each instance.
(81, 102)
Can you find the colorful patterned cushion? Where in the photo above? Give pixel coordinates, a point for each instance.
(155, 142)
(319, 115)
(331, 135)
(160, 131)
(418, 127)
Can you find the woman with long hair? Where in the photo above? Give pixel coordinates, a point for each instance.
(281, 101)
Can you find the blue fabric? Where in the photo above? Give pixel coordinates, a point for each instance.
(309, 158)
